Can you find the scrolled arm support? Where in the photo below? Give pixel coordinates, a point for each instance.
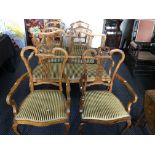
(131, 91)
(9, 99)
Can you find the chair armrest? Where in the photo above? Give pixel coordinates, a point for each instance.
(27, 60)
(9, 99)
(131, 91)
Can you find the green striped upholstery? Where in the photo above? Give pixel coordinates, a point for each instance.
(45, 49)
(102, 105)
(78, 50)
(43, 106)
(57, 60)
(72, 70)
(47, 71)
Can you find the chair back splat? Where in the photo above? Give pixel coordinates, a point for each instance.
(105, 67)
(46, 69)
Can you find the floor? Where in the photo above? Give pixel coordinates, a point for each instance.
(7, 79)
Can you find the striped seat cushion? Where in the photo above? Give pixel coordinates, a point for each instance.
(43, 106)
(47, 71)
(102, 105)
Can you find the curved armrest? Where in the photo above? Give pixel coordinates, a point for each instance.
(26, 62)
(9, 99)
(131, 91)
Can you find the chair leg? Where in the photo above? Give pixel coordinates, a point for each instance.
(129, 123)
(67, 127)
(15, 128)
(81, 129)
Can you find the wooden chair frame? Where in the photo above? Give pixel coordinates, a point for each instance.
(100, 59)
(10, 101)
(134, 98)
(48, 35)
(44, 57)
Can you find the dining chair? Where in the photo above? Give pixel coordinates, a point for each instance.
(102, 106)
(97, 64)
(42, 107)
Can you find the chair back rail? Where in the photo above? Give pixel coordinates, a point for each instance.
(44, 57)
(103, 66)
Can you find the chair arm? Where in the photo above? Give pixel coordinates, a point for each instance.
(67, 92)
(9, 99)
(26, 62)
(131, 91)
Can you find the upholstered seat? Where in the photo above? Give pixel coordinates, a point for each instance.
(146, 55)
(43, 106)
(102, 105)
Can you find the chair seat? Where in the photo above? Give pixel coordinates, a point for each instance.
(146, 55)
(102, 105)
(72, 70)
(43, 106)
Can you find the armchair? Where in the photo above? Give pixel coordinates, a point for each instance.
(40, 107)
(103, 107)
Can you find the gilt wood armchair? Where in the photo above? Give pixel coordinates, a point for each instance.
(102, 106)
(40, 107)
(48, 38)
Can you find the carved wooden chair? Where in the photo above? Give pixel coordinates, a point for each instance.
(51, 66)
(102, 106)
(95, 62)
(78, 24)
(42, 107)
(81, 40)
(48, 38)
